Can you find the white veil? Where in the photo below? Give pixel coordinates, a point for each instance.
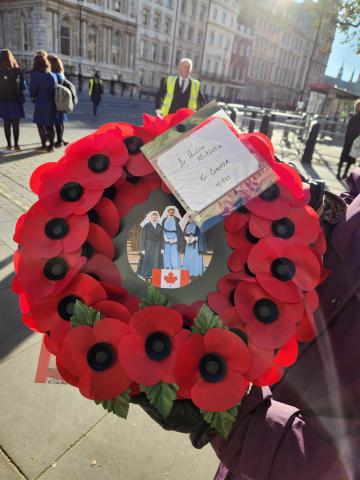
(147, 219)
(164, 215)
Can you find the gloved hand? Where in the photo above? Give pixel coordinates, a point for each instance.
(162, 251)
(143, 252)
(184, 417)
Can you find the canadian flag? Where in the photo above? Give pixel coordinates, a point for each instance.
(164, 278)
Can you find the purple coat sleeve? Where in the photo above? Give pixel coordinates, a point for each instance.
(273, 441)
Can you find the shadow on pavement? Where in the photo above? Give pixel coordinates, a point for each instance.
(12, 330)
(15, 157)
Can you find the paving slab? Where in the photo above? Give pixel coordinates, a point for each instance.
(135, 449)
(39, 422)
(7, 469)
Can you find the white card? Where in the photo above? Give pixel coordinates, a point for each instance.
(207, 164)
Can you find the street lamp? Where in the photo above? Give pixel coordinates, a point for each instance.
(80, 3)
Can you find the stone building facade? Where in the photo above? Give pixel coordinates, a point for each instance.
(89, 35)
(260, 51)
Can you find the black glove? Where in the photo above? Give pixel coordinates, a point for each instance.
(184, 417)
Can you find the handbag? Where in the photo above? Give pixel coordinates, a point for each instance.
(355, 148)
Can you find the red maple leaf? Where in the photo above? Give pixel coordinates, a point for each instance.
(170, 278)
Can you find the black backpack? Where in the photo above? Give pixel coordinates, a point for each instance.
(9, 84)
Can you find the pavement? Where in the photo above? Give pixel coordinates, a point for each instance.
(50, 432)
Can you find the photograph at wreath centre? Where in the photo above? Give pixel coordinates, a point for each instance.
(173, 261)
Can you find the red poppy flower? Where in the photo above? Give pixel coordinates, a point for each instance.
(284, 268)
(236, 221)
(154, 124)
(148, 354)
(306, 330)
(105, 215)
(219, 302)
(134, 138)
(285, 357)
(238, 263)
(261, 144)
(42, 277)
(299, 224)
(121, 295)
(273, 203)
(187, 312)
(269, 322)
(241, 239)
(18, 227)
(112, 309)
(35, 179)
(91, 355)
(262, 360)
(47, 236)
(227, 284)
(52, 314)
(102, 269)
(127, 196)
(98, 241)
(210, 369)
(165, 188)
(173, 119)
(320, 244)
(63, 194)
(150, 182)
(97, 158)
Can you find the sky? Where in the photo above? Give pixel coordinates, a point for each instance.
(343, 53)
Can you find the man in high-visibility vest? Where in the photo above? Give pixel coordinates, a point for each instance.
(179, 91)
(96, 90)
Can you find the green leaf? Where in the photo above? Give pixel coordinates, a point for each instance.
(206, 319)
(118, 406)
(221, 421)
(154, 296)
(162, 396)
(84, 315)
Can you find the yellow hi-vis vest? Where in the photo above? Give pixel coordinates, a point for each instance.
(170, 88)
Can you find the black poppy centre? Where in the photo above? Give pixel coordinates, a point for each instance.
(110, 192)
(71, 192)
(283, 228)
(271, 193)
(283, 269)
(158, 346)
(98, 163)
(93, 216)
(266, 311)
(87, 250)
(56, 228)
(56, 268)
(66, 306)
(212, 367)
(101, 356)
(133, 144)
(250, 236)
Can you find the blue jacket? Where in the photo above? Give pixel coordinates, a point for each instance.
(42, 91)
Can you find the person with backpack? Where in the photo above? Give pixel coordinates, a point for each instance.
(12, 86)
(58, 68)
(42, 92)
(96, 90)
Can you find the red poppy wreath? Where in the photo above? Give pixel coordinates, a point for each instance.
(110, 344)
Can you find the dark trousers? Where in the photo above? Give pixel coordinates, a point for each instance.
(15, 125)
(46, 134)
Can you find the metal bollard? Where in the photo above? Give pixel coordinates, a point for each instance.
(310, 143)
(265, 123)
(252, 122)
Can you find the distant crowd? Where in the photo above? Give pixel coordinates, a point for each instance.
(52, 94)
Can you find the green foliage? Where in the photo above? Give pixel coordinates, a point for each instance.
(206, 319)
(154, 296)
(348, 21)
(84, 315)
(221, 421)
(162, 396)
(118, 406)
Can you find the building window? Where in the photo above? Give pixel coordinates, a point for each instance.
(65, 37)
(220, 42)
(157, 20)
(154, 52)
(116, 49)
(141, 77)
(178, 57)
(248, 51)
(208, 65)
(202, 11)
(212, 38)
(165, 54)
(143, 48)
(145, 16)
(215, 14)
(25, 33)
(224, 18)
(117, 5)
(191, 34)
(193, 8)
(181, 29)
(167, 25)
(183, 6)
(169, 3)
(92, 42)
(199, 37)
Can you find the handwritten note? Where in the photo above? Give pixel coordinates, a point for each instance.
(207, 164)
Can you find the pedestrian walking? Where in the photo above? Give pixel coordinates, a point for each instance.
(112, 87)
(42, 92)
(12, 86)
(180, 91)
(96, 90)
(57, 67)
(352, 132)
